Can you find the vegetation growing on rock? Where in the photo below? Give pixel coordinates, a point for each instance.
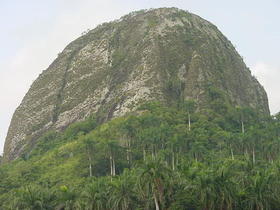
(163, 54)
(159, 157)
(153, 111)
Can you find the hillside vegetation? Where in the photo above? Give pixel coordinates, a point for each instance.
(158, 157)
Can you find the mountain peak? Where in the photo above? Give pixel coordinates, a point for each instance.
(164, 54)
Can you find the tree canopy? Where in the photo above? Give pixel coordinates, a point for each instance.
(157, 157)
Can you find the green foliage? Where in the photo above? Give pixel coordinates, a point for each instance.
(117, 57)
(34, 197)
(174, 90)
(80, 128)
(152, 22)
(165, 157)
(45, 143)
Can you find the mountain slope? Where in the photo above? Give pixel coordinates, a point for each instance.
(163, 54)
(208, 164)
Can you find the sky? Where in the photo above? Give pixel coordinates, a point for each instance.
(33, 32)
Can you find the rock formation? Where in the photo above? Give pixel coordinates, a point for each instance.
(157, 54)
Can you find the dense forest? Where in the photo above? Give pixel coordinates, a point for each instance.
(159, 157)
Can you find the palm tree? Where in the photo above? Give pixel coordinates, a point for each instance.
(225, 187)
(122, 195)
(205, 190)
(213, 188)
(189, 106)
(131, 129)
(34, 198)
(68, 199)
(91, 150)
(96, 194)
(154, 181)
(261, 191)
(109, 142)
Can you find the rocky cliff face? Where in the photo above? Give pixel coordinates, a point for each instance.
(146, 55)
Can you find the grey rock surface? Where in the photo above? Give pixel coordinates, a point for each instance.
(118, 65)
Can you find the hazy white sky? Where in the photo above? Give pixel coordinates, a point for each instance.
(33, 32)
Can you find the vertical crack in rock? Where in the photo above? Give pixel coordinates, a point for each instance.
(59, 98)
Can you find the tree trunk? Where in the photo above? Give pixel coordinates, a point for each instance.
(114, 167)
(195, 157)
(246, 151)
(127, 156)
(111, 165)
(173, 161)
(153, 153)
(242, 127)
(231, 151)
(156, 202)
(128, 152)
(254, 158)
(144, 154)
(90, 167)
(189, 121)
